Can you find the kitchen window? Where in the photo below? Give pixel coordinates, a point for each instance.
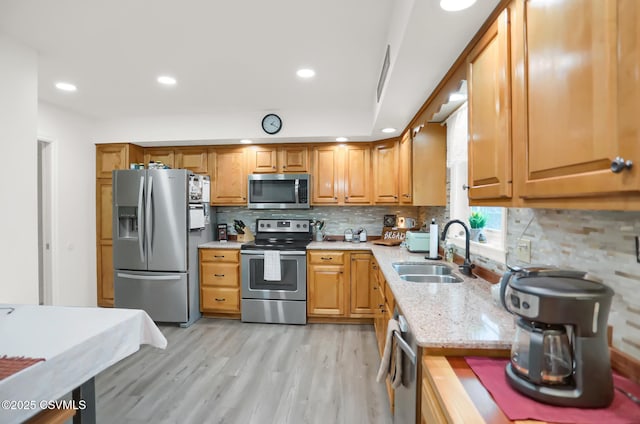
(457, 163)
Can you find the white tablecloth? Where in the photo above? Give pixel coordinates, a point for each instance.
(76, 343)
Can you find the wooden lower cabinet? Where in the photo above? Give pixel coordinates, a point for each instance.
(105, 274)
(339, 284)
(326, 290)
(383, 303)
(220, 281)
(362, 292)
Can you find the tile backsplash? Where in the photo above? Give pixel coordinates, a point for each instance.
(600, 242)
(337, 218)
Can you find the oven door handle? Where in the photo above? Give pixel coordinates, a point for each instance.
(282, 252)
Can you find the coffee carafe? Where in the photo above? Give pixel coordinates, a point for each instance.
(560, 354)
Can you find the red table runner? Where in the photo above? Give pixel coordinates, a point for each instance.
(11, 365)
(517, 406)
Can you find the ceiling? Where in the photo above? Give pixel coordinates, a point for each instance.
(235, 61)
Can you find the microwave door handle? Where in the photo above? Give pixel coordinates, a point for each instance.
(141, 219)
(297, 190)
(149, 218)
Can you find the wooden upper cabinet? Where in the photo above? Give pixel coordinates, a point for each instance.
(385, 172)
(628, 93)
(278, 159)
(406, 169)
(228, 173)
(194, 159)
(357, 173)
(294, 159)
(327, 175)
(160, 154)
(429, 149)
(489, 85)
(263, 159)
(110, 157)
(577, 125)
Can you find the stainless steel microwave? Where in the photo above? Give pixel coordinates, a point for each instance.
(279, 191)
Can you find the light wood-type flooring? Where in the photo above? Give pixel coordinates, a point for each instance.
(225, 371)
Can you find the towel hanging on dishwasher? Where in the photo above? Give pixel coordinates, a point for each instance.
(391, 362)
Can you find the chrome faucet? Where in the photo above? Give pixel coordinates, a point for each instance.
(467, 266)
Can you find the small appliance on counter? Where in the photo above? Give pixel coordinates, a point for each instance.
(560, 354)
(404, 222)
(417, 241)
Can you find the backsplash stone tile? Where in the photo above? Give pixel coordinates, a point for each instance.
(337, 218)
(600, 242)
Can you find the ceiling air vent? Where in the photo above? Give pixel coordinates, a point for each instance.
(383, 73)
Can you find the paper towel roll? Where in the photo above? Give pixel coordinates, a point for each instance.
(433, 240)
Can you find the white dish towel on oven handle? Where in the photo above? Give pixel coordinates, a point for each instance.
(272, 270)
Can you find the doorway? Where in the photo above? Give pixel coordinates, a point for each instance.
(45, 295)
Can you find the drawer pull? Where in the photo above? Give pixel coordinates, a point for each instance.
(218, 275)
(324, 258)
(220, 299)
(218, 256)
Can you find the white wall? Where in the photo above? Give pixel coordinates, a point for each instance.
(18, 173)
(74, 210)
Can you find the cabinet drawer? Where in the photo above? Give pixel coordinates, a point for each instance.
(216, 299)
(220, 255)
(431, 410)
(218, 274)
(326, 258)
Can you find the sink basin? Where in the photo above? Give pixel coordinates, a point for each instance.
(420, 268)
(424, 272)
(425, 278)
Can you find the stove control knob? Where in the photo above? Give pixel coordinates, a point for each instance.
(525, 305)
(298, 226)
(304, 225)
(261, 225)
(268, 225)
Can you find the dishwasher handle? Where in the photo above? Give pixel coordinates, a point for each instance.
(405, 347)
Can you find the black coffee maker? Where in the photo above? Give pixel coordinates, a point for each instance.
(560, 354)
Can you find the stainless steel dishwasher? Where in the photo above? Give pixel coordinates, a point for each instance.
(406, 393)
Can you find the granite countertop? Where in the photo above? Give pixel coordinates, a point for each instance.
(441, 315)
(221, 245)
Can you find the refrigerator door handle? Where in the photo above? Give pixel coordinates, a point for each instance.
(141, 220)
(149, 224)
(148, 277)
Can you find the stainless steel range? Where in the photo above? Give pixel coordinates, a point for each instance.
(274, 272)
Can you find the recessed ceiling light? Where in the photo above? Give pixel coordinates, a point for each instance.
(305, 73)
(65, 86)
(246, 141)
(388, 130)
(456, 5)
(456, 97)
(166, 80)
(342, 139)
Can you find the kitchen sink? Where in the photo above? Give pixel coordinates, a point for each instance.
(423, 272)
(425, 278)
(421, 268)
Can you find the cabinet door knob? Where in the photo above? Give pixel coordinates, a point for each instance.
(274, 167)
(465, 187)
(619, 165)
(284, 166)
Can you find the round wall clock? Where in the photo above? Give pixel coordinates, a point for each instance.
(271, 123)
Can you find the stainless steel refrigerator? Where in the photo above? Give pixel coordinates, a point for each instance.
(156, 233)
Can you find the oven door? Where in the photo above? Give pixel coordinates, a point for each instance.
(293, 282)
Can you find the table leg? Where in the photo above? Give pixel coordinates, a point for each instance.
(87, 393)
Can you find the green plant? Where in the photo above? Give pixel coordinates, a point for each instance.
(477, 220)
